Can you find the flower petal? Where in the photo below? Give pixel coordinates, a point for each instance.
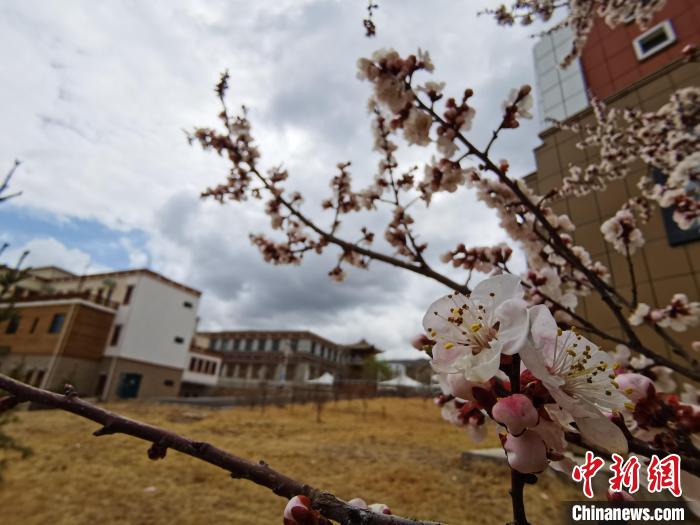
(503, 287)
(602, 432)
(482, 367)
(514, 325)
(526, 453)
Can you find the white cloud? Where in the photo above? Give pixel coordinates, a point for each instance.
(47, 251)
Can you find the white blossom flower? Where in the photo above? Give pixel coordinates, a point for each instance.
(578, 375)
(416, 127)
(621, 231)
(640, 314)
(472, 331)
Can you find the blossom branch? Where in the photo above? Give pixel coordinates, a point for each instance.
(161, 440)
(609, 295)
(633, 279)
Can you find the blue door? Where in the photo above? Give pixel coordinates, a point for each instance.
(129, 386)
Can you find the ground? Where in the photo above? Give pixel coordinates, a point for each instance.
(394, 451)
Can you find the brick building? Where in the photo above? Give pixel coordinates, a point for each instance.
(624, 67)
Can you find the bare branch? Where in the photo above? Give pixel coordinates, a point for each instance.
(259, 473)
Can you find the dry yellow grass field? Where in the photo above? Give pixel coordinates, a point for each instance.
(398, 452)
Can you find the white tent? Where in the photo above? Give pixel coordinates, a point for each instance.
(325, 379)
(402, 380)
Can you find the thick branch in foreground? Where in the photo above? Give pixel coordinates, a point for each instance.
(161, 440)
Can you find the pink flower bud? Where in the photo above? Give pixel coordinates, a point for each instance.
(634, 386)
(299, 512)
(358, 502)
(516, 412)
(380, 508)
(526, 453)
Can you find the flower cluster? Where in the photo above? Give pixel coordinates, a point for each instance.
(667, 139)
(518, 105)
(678, 315)
(482, 259)
(621, 231)
(567, 380)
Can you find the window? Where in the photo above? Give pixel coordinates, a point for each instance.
(115, 335)
(169, 382)
(249, 344)
(261, 345)
(35, 323)
(127, 295)
(13, 324)
(275, 345)
(675, 235)
(57, 323)
(212, 344)
(654, 40)
(236, 344)
(294, 343)
(187, 304)
(192, 363)
(98, 298)
(313, 348)
(179, 340)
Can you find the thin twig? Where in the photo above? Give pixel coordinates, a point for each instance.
(630, 267)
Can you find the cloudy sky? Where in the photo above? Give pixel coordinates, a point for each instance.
(95, 97)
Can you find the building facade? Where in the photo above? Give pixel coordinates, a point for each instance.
(116, 335)
(626, 67)
(252, 357)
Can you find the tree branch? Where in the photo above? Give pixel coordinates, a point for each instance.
(161, 439)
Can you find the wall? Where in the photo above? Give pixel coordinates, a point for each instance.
(609, 61)
(151, 321)
(660, 268)
(153, 382)
(81, 373)
(86, 336)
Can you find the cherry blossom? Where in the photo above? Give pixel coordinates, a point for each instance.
(473, 331)
(621, 231)
(579, 376)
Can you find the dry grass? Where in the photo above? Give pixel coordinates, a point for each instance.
(399, 452)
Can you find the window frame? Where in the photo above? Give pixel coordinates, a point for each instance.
(57, 322)
(667, 27)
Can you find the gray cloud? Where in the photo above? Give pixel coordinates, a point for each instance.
(95, 96)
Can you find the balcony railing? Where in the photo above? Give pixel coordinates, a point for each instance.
(31, 296)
